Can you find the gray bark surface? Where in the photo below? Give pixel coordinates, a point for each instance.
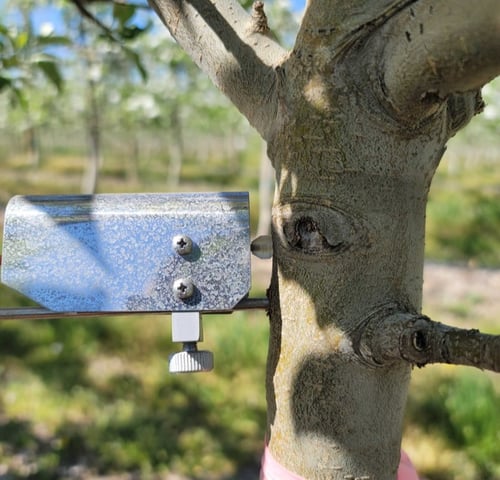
(356, 118)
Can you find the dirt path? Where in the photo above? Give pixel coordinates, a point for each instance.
(464, 295)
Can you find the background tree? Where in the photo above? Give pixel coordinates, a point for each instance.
(92, 51)
(26, 55)
(105, 60)
(356, 117)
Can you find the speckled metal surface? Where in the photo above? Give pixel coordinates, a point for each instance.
(114, 252)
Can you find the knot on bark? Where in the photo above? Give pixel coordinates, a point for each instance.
(462, 107)
(387, 337)
(318, 230)
(376, 339)
(392, 334)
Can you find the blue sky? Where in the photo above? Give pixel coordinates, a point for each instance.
(298, 4)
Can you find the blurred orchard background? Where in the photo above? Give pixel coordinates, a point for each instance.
(85, 109)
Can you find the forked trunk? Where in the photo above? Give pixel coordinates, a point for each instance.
(356, 118)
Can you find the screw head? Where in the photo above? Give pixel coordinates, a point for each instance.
(182, 244)
(183, 288)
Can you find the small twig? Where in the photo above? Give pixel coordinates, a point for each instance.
(140, 6)
(419, 340)
(425, 341)
(258, 20)
(79, 4)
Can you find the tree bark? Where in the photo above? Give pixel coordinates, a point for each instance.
(234, 48)
(419, 340)
(356, 118)
(416, 77)
(266, 187)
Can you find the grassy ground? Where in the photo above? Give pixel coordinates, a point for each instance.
(92, 398)
(109, 405)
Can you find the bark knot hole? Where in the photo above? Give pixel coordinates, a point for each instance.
(419, 341)
(307, 236)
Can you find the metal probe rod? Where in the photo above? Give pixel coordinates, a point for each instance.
(38, 313)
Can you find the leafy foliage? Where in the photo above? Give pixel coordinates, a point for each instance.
(463, 409)
(21, 53)
(464, 212)
(126, 413)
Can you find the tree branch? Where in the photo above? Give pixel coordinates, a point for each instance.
(233, 48)
(337, 24)
(436, 49)
(81, 7)
(125, 3)
(419, 340)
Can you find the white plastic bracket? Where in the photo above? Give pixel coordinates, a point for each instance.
(187, 329)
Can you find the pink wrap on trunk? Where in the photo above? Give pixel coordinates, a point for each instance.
(272, 470)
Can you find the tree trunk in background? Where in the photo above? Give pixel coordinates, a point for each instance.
(175, 150)
(33, 145)
(134, 158)
(94, 158)
(356, 118)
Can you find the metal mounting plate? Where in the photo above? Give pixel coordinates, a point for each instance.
(114, 252)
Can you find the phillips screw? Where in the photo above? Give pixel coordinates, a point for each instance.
(182, 244)
(183, 288)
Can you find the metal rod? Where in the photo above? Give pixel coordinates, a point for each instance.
(253, 304)
(38, 313)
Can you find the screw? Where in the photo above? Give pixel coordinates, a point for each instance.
(183, 288)
(182, 244)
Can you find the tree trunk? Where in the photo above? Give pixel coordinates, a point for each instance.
(348, 225)
(176, 149)
(93, 120)
(134, 158)
(94, 158)
(356, 118)
(266, 187)
(33, 144)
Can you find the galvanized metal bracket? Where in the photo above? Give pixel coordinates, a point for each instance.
(118, 253)
(123, 253)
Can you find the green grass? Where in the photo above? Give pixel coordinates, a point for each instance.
(96, 393)
(455, 409)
